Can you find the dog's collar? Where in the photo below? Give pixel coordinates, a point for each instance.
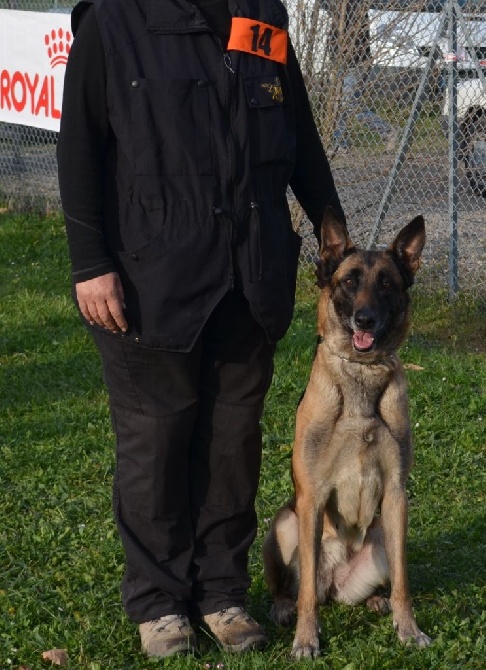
(389, 361)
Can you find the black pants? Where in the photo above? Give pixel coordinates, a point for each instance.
(188, 462)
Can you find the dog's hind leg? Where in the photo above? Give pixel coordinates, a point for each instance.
(357, 580)
(280, 563)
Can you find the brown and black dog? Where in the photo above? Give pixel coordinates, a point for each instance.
(344, 533)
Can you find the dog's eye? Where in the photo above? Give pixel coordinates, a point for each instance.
(385, 282)
(350, 282)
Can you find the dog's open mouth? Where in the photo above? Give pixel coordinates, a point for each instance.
(363, 340)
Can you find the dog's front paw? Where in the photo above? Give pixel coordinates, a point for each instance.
(305, 649)
(419, 639)
(411, 635)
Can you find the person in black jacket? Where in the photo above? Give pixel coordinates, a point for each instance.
(183, 123)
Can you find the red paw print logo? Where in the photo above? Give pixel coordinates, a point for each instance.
(58, 43)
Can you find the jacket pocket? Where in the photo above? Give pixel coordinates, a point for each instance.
(170, 121)
(269, 136)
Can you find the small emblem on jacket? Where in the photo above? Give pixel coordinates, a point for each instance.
(274, 89)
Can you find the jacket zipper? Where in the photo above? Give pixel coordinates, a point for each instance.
(231, 219)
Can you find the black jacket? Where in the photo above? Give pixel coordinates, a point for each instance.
(185, 165)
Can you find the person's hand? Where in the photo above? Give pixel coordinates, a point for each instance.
(101, 301)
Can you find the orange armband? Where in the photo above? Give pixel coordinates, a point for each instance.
(260, 39)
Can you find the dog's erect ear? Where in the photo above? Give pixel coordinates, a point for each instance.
(335, 240)
(409, 243)
(335, 243)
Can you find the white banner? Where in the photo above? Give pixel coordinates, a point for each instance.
(33, 53)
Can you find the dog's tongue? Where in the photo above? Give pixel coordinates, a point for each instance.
(363, 340)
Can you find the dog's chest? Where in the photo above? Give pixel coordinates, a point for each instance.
(357, 445)
(356, 480)
(360, 389)
(351, 457)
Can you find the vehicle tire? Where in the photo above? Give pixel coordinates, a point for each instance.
(474, 153)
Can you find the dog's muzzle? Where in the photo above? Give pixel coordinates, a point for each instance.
(364, 325)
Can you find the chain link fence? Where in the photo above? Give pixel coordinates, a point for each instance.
(398, 92)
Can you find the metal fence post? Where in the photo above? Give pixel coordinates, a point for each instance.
(453, 147)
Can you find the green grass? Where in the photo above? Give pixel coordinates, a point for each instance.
(60, 558)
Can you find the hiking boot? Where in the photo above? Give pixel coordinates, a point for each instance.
(167, 635)
(235, 630)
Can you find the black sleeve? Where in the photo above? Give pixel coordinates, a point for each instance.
(312, 181)
(81, 151)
